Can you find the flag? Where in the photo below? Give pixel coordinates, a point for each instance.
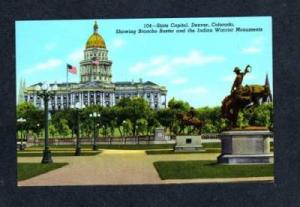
(95, 61)
(72, 69)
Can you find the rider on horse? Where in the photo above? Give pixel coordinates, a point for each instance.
(237, 88)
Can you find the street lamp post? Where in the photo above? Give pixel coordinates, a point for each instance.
(77, 107)
(94, 115)
(21, 121)
(38, 133)
(137, 133)
(124, 123)
(46, 92)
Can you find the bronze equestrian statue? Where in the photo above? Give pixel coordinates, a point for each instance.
(189, 119)
(242, 97)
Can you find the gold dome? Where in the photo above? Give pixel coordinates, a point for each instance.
(95, 40)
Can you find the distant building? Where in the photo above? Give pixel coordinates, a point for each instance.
(22, 87)
(270, 97)
(96, 86)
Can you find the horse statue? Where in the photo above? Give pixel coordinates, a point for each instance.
(241, 98)
(189, 119)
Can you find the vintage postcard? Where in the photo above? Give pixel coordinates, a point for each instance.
(144, 101)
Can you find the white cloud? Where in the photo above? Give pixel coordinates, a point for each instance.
(179, 81)
(159, 60)
(251, 50)
(118, 43)
(160, 71)
(76, 56)
(163, 65)
(195, 91)
(138, 68)
(255, 46)
(50, 64)
(196, 58)
(50, 46)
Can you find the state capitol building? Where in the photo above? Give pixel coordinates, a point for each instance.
(96, 86)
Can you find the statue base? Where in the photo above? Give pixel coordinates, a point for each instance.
(246, 146)
(188, 143)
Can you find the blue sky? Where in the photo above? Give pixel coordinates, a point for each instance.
(195, 67)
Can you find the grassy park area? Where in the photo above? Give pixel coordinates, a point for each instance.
(168, 163)
(209, 169)
(172, 152)
(56, 151)
(28, 170)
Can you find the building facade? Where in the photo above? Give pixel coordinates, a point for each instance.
(96, 86)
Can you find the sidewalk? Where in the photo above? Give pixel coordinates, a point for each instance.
(118, 167)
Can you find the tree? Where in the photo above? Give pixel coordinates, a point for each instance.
(62, 127)
(166, 118)
(86, 121)
(33, 116)
(52, 130)
(261, 115)
(142, 125)
(127, 127)
(213, 121)
(134, 109)
(152, 122)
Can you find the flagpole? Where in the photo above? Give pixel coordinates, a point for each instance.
(67, 86)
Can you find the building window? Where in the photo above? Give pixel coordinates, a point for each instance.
(148, 95)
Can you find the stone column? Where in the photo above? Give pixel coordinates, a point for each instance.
(102, 98)
(55, 101)
(158, 100)
(41, 103)
(113, 99)
(34, 99)
(152, 100)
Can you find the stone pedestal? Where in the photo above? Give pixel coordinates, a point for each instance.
(159, 134)
(245, 146)
(188, 143)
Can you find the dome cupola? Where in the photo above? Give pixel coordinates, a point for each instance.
(95, 40)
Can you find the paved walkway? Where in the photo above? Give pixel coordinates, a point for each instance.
(117, 167)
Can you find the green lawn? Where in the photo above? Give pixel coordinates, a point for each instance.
(28, 170)
(209, 169)
(137, 146)
(56, 153)
(212, 145)
(171, 151)
(109, 146)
